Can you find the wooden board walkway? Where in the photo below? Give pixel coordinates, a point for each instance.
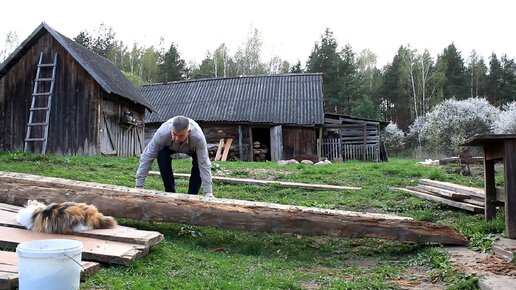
(285, 184)
(141, 204)
(9, 269)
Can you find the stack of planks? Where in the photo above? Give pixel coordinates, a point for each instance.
(120, 245)
(459, 196)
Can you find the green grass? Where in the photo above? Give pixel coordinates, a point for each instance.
(206, 258)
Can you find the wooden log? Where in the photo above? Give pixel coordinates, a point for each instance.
(9, 269)
(457, 204)
(141, 204)
(464, 160)
(118, 234)
(286, 184)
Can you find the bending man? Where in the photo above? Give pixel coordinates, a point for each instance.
(178, 135)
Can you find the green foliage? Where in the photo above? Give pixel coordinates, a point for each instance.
(482, 243)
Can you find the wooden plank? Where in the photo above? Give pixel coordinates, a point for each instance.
(219, 150)
(444, 192)
(286, 184)
(461, 205)
(226, 149)
(476, 192)
(118, 234)
(94, 249)
(9, 262)
(141, 204)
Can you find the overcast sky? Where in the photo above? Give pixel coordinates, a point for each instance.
(289, 28)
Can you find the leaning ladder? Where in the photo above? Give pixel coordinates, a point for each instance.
(39, 115)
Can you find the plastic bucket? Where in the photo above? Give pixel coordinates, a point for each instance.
(49, 264)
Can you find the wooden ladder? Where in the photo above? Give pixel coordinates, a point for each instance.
(39, 115)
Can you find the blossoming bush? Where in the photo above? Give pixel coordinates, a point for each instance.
(452, 122)
(506, 121)
(394, 138)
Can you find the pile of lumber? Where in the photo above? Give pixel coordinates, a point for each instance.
(120, 245)
(459, 196)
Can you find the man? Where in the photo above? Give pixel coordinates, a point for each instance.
(178, 135)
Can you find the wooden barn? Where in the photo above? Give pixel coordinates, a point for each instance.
(270, 117)
(58, 97)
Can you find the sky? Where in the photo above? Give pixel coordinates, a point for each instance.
(289, 28)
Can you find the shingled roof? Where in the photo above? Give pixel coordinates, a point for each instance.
(107, 74)
(295, 99)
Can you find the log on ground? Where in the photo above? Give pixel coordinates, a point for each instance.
(149, 205)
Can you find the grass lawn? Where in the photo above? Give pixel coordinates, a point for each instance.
(205, 258)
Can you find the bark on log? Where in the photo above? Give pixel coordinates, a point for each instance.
(149, 205)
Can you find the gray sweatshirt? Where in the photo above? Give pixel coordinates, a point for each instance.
(195, 142)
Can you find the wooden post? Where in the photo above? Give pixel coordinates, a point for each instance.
(319, 145)
(489, 183)
(240, 143)
(251, 150)
(509, 164)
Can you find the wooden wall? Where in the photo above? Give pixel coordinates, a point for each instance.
(299, 141)
(76, 117)
(295, 140)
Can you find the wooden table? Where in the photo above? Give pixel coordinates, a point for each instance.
(499, 147)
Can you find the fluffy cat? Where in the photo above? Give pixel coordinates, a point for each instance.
(62, 218)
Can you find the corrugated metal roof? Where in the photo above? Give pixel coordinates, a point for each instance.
(270, 99)
(107, 74)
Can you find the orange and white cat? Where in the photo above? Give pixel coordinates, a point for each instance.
(62, 218)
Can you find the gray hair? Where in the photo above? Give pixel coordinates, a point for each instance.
(180, 123)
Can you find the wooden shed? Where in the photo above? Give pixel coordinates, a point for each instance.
(352, 138)
(270, 117)
(59, 97)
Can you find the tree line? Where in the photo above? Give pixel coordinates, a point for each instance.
(406, 88)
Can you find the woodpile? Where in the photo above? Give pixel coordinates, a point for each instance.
(260, 151)
(459, 196)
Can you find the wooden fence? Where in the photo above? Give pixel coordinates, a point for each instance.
(337, 149)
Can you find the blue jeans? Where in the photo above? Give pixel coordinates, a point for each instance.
(167, 175)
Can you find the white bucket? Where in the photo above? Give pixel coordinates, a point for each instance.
(49, 264)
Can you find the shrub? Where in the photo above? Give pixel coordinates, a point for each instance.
(394, 138)
(506, 121)
(452, 122)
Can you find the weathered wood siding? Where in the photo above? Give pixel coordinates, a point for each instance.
(77, 122)
(299, 141)
(295, 140)
(72, 117)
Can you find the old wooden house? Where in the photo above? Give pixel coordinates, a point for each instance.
(57, 96)
(268, 117)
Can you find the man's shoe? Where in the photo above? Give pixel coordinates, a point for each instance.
(209, 195)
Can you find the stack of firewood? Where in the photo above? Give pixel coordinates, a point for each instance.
(260, 151)
(467, 198)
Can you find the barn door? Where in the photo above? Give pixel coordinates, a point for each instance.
(276, 143)
(108, 140)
